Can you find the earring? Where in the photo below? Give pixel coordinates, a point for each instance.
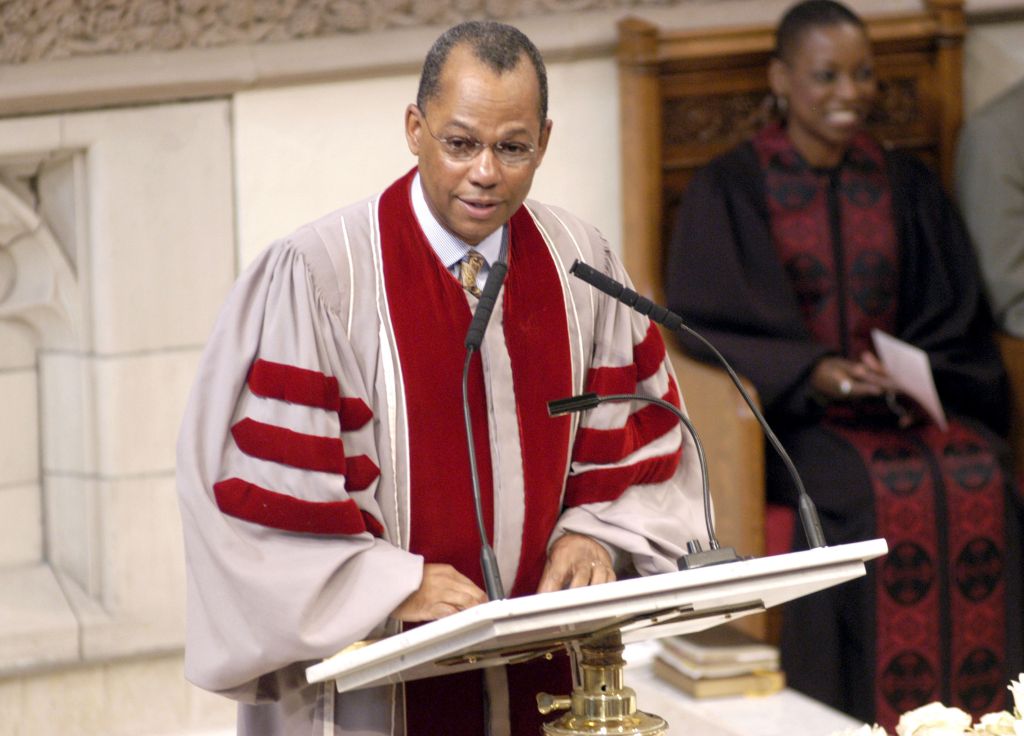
(781, 105)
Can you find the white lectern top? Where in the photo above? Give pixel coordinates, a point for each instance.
(518, 629)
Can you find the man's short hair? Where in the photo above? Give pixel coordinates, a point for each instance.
(806, 16)
(497, 45)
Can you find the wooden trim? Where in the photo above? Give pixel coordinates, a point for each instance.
(671, 83)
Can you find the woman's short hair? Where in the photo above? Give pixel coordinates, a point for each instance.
(806, 16)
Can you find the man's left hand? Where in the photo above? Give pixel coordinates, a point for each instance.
(575, 561)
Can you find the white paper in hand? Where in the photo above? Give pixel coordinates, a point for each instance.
(909, 368)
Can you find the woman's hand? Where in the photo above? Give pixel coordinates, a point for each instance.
(839, 379)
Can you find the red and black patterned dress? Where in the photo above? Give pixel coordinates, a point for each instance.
(780, 264)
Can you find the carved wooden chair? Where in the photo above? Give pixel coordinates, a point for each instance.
(686, 96)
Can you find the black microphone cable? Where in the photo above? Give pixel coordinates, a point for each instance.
(808, 513)
(696, 557)
(474, 337)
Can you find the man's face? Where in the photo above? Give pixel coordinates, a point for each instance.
(474, 198)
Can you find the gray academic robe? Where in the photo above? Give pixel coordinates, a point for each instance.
(288, 560)
(990, 186)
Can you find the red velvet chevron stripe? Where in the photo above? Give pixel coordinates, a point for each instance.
(294, 385)
(280, 445)
(642, 427)
(372, 525)
(308, 388)
(354, 413)
(648, 357)
(360, 472)
(304, 451)
(607, 484)
(249, 502)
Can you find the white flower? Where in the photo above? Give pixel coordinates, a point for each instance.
(1017, 688)
(996, 724)
(934, 719)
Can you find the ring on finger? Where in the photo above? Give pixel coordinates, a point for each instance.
(845, 386)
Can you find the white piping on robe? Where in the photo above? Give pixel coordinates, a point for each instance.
(351, 278)
(563, 275)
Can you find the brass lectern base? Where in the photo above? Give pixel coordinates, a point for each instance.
(600, 702)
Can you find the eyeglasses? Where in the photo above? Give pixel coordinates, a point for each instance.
(462, 148)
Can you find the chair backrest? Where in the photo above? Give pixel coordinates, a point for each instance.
(686, 96)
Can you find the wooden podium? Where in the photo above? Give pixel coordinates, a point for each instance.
(597, 618)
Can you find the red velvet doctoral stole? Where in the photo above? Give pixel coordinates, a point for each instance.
(430, 316)
(939, 593)
(840, 252)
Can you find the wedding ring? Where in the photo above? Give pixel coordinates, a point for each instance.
(845, 386)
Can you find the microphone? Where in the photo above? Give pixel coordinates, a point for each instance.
(808, 513)
(474, 337)
(696, 557)
(485, 305)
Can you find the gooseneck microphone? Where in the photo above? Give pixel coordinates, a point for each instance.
(474, 337)
(696, 556)
(808, 513)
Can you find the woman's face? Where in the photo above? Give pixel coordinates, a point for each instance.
(829, 84)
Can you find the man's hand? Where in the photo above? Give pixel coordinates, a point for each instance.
(575, 561)
(443, 591)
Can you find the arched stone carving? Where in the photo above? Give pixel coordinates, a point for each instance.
(37, 285)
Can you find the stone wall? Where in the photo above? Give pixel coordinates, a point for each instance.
(147, 151)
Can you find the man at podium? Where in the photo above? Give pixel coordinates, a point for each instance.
(324, 478)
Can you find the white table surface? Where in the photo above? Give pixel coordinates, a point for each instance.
(786, 713)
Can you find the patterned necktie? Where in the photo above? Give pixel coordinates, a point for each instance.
(469, 267)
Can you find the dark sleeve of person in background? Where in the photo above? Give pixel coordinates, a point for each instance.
(724, 278)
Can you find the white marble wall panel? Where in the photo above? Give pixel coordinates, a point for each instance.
(127, 587)
(17, 346)
(148, 695)
(36, 625)
(19, 136)
(160, 253)
(21, 525)
(116, 699)
(67, 413)
(143, 559)
(68, 702)
(139, 400)
(72, 528)
(303, 151)
(19, 427)
(581, 170)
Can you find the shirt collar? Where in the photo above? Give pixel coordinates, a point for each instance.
(449, 247)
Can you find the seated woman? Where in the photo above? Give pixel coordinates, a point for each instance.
(787, 252)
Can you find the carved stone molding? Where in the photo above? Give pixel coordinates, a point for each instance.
(37, 30)
(37, 284)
